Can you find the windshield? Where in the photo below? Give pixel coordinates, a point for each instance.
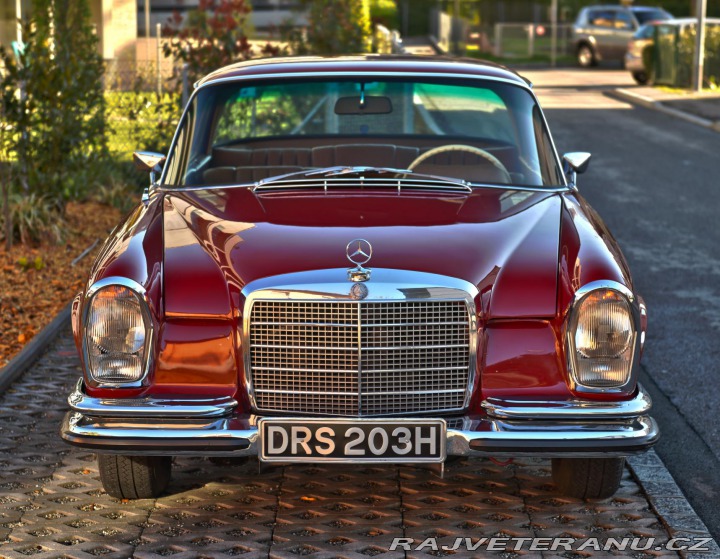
(481, 131)
(646, 15)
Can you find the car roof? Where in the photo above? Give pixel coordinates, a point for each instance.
(395, 64)
(619, 7)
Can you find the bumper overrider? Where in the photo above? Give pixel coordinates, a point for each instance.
(212, 427)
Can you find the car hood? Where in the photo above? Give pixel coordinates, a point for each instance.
(503, 241)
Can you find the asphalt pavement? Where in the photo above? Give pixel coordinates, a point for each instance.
(654, 180)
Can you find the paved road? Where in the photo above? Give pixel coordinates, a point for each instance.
(655, 181)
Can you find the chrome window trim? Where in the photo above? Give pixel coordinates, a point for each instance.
(571, 321)
(396, 184)
(574, 408)
(344, 74)
(351, 74)
(331, 285)
(141, 295)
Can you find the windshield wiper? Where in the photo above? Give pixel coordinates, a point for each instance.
(340, 171)
(336, 171)
(353, 170)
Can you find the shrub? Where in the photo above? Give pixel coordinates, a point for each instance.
(62, 72)
(34, 219)
(119, 192)
(212, 36)
(686, 54)
(53, 123)
(335, 28)
(140, 120)
(13, 118)
(384, 12)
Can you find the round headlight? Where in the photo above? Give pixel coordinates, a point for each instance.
(116, 335)
(602, 337)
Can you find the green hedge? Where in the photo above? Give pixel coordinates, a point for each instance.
(686, 54)
(138, 120)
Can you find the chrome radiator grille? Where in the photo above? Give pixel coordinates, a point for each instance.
(359, 357)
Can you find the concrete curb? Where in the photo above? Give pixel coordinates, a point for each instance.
(34, 349)
(669, 503)
(637, 99)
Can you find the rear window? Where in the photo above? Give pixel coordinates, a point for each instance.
(623, 20)
(602, 18)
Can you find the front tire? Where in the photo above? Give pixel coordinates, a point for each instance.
(134, 477)
(641, 78)
(588, 478)
(586, 56)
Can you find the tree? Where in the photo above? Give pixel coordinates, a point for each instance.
(5, 177)
(52, 116)
(211, 36)
(384, 12)
(12, 120)
(63, 86)
(336, 27)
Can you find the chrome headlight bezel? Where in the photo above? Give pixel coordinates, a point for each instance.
(141, 295)
(571, 326)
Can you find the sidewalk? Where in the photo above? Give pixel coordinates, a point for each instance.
(699, 108)
(52, 504)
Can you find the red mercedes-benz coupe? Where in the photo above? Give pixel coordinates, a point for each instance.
(361, 259)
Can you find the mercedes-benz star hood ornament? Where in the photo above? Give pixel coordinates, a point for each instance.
(359, 252)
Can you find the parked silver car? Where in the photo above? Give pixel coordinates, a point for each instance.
(643, 70)
(602, 32)
(634, 63)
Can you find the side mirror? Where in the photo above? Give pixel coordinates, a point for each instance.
(575, 163)
(149, 162)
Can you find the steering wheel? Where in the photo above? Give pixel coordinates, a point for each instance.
(462, 147)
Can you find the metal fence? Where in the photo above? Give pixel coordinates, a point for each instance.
(142, 99)
(674, 53)
(140, 75)
(530, 40)
(142, 105)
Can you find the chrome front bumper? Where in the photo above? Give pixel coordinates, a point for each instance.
(577, 428)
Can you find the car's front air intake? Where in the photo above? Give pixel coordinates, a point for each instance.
(363, 358)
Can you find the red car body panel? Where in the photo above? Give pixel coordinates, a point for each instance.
(235, 237)
(527, 262)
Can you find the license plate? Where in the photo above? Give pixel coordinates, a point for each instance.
(352, 440)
